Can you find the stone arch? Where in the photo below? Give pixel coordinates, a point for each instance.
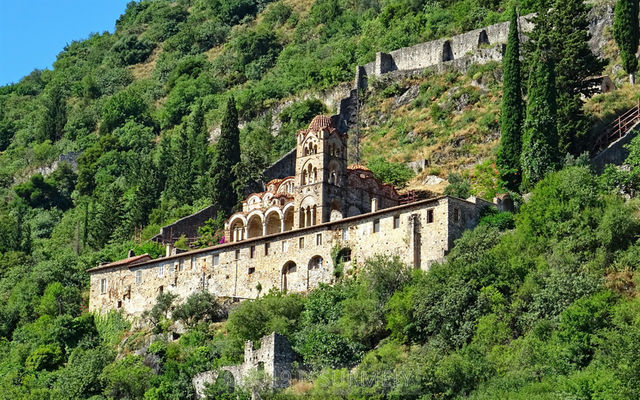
(288, 270)
(315, 262)
(266, 199)
(333, 173)
(254, 225)
(483, 38)
(237, 226)
(288, 217)
(273, 221)
(447, 52)
(308, 211)
(253, 200)
(227, 377)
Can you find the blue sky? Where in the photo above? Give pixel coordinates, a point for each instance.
(33, 32)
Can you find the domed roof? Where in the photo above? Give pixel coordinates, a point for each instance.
(321, 122)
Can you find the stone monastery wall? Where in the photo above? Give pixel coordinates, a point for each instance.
(419, 233)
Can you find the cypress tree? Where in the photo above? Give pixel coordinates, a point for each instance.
(227, 155)
(626, 31)
(54, 117)
(540, 135)
(512, 110)
(565, 30)
(198, 149)
(180, 176)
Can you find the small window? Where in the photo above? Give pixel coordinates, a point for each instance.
(456, 215)
(285, 246)
(344, 255)
(139, 276)
(161, 271)
(345, 234)
(319, 239)
(266, 248)
(103, 285)
(216, 259)
(119, 303)
(396, 221)
(172, 268)
(161, 289)
(376, 225)
(252, 270)
(429, 216)
(301, 241)
(252, 252)
(237, 254)
(181, 265)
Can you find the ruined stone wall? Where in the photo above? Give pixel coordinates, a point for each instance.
(436, 52)
(296, 260)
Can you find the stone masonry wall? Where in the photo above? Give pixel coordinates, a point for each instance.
(438, 51)
(297, 261)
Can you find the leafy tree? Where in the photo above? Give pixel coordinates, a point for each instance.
(80, 377)
(626, 31)
(124, 105)
(199, 307)
(508, 159)
(42, 192)
(58, 300)
(397, 174)
(158, 314)
(540, 138)
(227, 155)
(127, 378)
(129, 50)
(46, 357)
(459, 186)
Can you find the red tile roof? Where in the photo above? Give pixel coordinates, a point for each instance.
(127, 261)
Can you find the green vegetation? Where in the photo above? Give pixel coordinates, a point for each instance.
(626, 30)
(227, 156)
(512, 110)
(538, 304)
(540, 136)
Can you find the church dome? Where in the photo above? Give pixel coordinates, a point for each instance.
(321, 122)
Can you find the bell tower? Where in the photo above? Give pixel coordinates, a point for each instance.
(321, 173)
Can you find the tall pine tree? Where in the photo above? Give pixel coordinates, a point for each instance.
(564, 28)
(540, 136)
(626, 31)
(508, 159)
(227, 155)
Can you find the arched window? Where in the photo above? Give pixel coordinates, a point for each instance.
(288, 269)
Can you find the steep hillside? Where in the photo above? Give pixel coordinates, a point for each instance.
(115, 141)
